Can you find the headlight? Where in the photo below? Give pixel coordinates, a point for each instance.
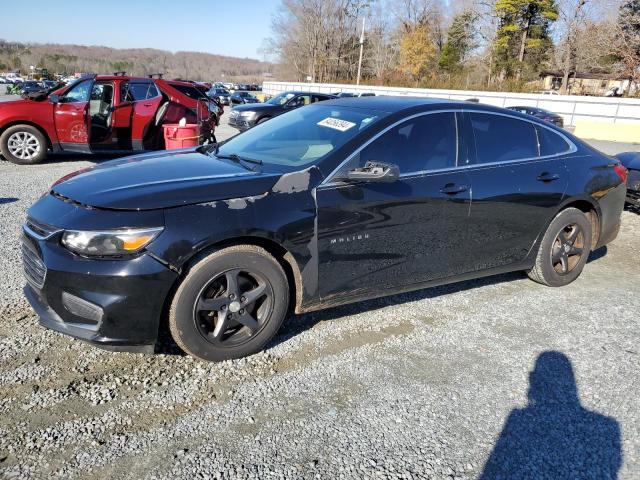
(109, 242)
(247, 114)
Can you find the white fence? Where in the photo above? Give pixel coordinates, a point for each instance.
(572, 107)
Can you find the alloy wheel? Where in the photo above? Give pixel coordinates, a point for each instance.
(567, 249)
(24, 145)
(233, 307)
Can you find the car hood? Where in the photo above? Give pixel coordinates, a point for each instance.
(161, 180)
(257, 107)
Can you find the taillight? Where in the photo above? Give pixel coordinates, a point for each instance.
(622, 172)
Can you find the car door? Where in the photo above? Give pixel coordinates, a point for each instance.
(517, 187)
(122, 116)
(378, 236)
(146, 100)
(136, 114)
(101, 102)
(70, 116)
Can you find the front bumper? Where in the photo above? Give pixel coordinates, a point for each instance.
(242, 124)
(633, 187)
(128, 294)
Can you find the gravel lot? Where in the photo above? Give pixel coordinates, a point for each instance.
(432, 384)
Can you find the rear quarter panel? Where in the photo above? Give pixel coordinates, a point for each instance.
(593, 179)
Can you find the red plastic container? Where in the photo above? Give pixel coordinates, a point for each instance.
(176, 136)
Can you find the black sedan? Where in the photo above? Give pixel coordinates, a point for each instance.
(631, 160)
(246, 116)
(542, 114)
(241, 98)
(329, 204)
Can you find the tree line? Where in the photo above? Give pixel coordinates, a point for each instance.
(68, 59)
(472, 44)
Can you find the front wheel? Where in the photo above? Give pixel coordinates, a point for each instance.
(230, 304)
(23, 144)
(564, 249)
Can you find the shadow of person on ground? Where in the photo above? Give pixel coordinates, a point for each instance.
(555, 437)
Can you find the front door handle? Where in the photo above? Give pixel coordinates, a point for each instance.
(453, 189)
(548, 177)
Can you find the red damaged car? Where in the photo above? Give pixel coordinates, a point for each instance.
(101, 114)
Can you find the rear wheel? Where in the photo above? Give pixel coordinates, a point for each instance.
(23, 144)
(564, 249)
(230, 304)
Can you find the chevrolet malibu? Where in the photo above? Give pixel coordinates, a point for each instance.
(329, 204)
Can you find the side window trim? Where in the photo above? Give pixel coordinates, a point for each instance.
(330, 177)
(572, 146)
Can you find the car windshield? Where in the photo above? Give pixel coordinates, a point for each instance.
(302, 136)
(281, 99)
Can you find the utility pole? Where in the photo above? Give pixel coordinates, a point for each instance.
(361, 48)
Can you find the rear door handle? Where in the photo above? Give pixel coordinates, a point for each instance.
(453, 189)
(548, 177)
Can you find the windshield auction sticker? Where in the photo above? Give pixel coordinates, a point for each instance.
(336, 124)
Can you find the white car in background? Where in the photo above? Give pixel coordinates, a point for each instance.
(13, 78)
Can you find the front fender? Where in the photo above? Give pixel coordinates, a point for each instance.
(285, 215)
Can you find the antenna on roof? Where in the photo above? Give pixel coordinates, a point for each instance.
(120, 73)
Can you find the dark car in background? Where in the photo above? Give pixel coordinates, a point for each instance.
(244, 117)
(221, 93)
(334, 203)
(631, 160)
(31, 86)
(541, 113)
(241, 98)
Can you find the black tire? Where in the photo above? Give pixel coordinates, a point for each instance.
(201, 332)
(564, 249)
(33, 137)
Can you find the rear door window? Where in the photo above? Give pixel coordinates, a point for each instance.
(152, 91)
(138, 91)
(551, 143)
(500, 138)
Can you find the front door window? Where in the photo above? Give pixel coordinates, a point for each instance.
(78, 93)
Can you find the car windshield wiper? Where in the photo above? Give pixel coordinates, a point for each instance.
(234, 157)
(212, 149)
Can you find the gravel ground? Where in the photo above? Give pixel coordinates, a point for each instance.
(432, 384)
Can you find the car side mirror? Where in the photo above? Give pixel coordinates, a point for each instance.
(374, 172)
(54, 98)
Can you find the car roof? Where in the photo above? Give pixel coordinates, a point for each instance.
(392, 104)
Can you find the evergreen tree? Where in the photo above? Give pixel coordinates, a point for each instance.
(460, 42)
(522, 40)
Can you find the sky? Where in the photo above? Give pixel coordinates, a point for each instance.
(232, 27)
